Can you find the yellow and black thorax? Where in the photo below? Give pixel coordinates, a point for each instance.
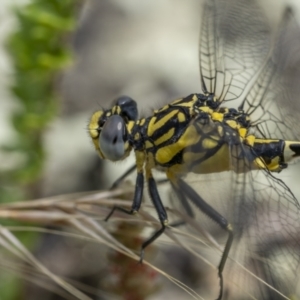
(189, 134)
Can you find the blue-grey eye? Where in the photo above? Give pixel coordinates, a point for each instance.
(111, 140)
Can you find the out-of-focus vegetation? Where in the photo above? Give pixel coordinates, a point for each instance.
(39, 50)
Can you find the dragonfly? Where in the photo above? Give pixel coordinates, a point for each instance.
(244, 123)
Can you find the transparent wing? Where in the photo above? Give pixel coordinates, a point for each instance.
(266, 222)
(273, 101)
(264, 260)
(234, 41)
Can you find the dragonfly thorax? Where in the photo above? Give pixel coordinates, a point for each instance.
(186, 133)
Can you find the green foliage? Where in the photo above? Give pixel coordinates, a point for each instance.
(8, 287)
(39, 51)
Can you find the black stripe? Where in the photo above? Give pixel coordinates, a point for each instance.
(296, 149)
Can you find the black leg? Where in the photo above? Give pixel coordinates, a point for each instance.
(162, 214)
(185, 205)
(162, 181)
(137, 199)
(182, 198)
(215, 216)
(150, 240)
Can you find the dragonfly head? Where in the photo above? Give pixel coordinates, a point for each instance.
(109, 131)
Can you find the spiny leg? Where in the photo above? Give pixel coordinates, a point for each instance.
(137, 199)
(139, 187)
(162, 214)
(214, 215)
(182, 198)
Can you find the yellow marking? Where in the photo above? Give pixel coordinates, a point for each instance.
(108, 114)
(260, 163)
(181, 117)
(130, 125)
(185, 104)
(176, 101)
(137, 136)
(167, 106)
(161, 109)
(155, 124)
(148, 145)
(217, 116)
(140, 160)
(220, 130)
(142, 121)
(96, 142)
(126, 147)
(209, 143)
(164, 137)
(250, 140)
(243, 132)
(189, 137)
(206, 109)
(93, 132)
(188, 104)
(274, 165)
(265, 141)
(93, 125)
(233, 124)
(116, 110)
(150, 125)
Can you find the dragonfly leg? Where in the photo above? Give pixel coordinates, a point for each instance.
(137, 199)
(191, 194)
(183, 200)
(162, 214)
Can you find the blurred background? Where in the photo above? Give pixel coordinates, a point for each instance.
(59, 62)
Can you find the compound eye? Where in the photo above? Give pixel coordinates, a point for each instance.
(128, 108)
(111, 140)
